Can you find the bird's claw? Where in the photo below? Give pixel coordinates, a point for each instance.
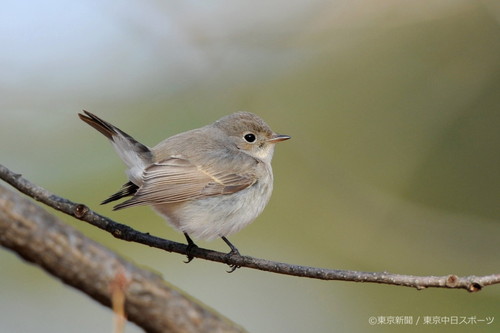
(190, 247)
(189, 250)
(233, 252)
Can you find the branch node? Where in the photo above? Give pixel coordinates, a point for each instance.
(117, 233)
(474, 287)
(80, 211)
(452, 281)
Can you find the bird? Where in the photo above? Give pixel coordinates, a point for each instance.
(207, 182)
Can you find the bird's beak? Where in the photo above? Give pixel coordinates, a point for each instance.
(278, 138)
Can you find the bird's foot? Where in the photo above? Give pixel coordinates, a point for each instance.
(234, 252)
(190, 247)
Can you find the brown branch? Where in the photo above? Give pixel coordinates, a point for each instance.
(147, 300)
(470, 283)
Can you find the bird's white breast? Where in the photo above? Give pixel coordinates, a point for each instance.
(220, 215)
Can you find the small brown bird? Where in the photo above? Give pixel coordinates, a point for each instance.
(208, 182)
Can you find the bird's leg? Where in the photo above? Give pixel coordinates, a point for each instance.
(233, 248)
(190, 247)
(234, 251)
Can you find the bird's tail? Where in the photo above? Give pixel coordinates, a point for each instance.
(135, 155)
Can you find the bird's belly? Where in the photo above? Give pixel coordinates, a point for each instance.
(216, 216)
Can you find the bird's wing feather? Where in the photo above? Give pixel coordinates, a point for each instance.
(177, 179)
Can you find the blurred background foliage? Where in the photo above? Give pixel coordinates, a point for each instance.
(394, 164)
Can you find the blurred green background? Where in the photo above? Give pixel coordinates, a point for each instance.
(394, 163)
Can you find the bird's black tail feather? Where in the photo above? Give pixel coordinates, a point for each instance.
(127, 189)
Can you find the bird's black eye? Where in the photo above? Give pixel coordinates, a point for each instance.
(249, 137)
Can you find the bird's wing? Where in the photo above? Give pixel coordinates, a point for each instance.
(177, 179)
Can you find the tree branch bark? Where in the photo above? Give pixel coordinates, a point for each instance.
(80, 262)
(470, 283)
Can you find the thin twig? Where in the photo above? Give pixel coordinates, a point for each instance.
(471, 283)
